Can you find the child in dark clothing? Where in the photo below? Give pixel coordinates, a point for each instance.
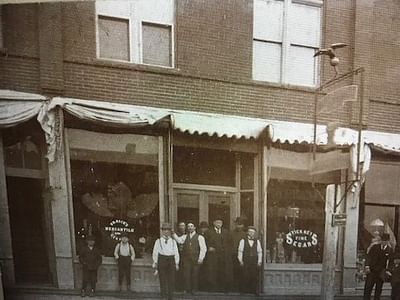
(90, 258)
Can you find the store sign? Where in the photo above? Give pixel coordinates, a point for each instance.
(301, 238)
(339, 219)
(117, 227)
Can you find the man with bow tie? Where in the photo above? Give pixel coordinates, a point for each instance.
(219, 264)
(192, 256)
(250, 259)
(166, 261)
(376, 267)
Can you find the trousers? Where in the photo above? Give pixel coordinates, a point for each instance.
(373, 279)
(191, 275)
(166, 275)
(89, 277)
(124, 269)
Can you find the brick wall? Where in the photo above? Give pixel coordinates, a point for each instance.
(20, 30)
(214, 58)
(214, 38)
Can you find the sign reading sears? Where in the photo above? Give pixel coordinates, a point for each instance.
(117, 227)
(301, 238)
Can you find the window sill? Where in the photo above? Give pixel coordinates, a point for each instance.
(145, 261)
(293, 267)
(134, 66)
(287, 86)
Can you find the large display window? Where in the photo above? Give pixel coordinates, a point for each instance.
(115, 189)
(296, 222)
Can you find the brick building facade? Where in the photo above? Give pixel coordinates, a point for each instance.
(52, 49)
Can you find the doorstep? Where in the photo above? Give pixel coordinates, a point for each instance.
(31, 293)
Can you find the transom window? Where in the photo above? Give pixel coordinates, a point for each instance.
(286, 34)
(137, 31)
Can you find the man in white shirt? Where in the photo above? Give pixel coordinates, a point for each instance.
(166, 260)
(250, 258)
(125, 255)
(193, 253)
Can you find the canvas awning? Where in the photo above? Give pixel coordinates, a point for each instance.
(17, 107)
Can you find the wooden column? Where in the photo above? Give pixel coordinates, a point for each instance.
(62, 227)
(264, 184)
(331, 240)
(350, 239)
(6, 254)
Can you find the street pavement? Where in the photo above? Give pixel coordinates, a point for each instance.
(68, 295)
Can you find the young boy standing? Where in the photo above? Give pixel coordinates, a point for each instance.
(90, 258)
(125, 255)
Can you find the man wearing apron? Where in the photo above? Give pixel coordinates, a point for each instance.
(166, 261)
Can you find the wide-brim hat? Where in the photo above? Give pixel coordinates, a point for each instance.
(166, 226)
(252, 228)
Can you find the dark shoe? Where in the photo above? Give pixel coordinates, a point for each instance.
(83, 293)
(92, 293)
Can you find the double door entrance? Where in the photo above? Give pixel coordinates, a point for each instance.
(200, 205)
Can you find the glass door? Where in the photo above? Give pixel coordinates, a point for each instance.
(197, 206)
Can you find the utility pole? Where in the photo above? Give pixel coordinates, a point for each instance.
(334, 195)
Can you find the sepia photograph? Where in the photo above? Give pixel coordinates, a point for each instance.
(200, 149)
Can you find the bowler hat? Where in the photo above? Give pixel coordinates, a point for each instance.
(203, 224)
(90, 238)
(166, 226)
(239, 221)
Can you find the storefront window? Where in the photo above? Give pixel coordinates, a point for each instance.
(204, 166)
(379, 212)
(296, 222)
(115, 189)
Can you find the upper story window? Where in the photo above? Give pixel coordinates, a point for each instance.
(285, 36)
(137, 31)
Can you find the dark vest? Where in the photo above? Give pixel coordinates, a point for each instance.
(250, 253)
(191, 247)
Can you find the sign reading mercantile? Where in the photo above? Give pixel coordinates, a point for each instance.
(301, 238)
(117, 227)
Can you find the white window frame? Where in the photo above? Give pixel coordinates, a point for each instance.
(172, 54)
(135, 35)
(286, 44)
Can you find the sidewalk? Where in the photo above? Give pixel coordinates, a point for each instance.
(51, 294)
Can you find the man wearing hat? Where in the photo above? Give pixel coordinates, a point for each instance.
(125, 255)
(250, 259)
(193, 253)
(203, 267)
(166, 260)
(237, 235)
(90, 258)
(219, 262)
(179, 278)
(376, 267)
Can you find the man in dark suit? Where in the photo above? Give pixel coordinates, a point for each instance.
(90, 258)
(219, 259)
(376, 266)
(237, 235)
